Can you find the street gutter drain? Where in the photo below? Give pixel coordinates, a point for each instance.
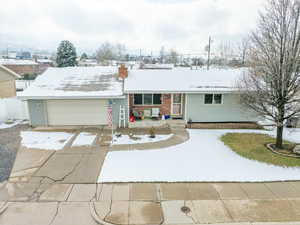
(185, 209)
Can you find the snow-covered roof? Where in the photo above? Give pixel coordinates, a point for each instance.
(158, 66)
(44, 61)
(74, 83)
(182, 80)
(17, 62)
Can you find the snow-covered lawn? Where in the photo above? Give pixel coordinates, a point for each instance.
(84, 139)
(139, 139)
(45, 140)
(204, 157)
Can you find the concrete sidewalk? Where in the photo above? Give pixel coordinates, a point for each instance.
(149, 203)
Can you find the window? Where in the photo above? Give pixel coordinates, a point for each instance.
(217, 99)
(177, 98)
(213, 99)
(147, 99)
(208, 99)
(156, 99)
(138, 99)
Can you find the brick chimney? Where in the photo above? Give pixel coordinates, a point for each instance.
(123, 72)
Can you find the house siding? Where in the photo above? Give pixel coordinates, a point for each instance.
(7, 89)
(37, 112)
(7, 85)
(229, 111)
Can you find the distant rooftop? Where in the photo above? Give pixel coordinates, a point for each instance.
(157, 66)
(16, 62)
(44, 61)
(75, 82)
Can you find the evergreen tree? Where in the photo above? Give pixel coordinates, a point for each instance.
(66, 54)
(83, 56)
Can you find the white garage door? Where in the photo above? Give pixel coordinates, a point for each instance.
(77, 112)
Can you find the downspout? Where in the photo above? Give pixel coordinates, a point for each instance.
(185, 108)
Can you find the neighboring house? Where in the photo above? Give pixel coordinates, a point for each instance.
(7, 82)
(88, 62)
(156, 66)
(20, 66)
(80, 96)
(74, 96)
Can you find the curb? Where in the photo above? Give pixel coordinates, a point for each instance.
(279, 153)
(95, 215)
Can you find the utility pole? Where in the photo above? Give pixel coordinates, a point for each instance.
(208, 53)
(140, 54)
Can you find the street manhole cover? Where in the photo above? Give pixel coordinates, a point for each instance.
(185, 209)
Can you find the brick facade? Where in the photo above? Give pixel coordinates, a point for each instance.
(165, 107)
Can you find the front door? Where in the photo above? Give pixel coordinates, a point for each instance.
(177, 102)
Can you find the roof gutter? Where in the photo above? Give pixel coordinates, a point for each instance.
(180, 91)
(68, 97)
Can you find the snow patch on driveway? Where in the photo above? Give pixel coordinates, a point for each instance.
(4, 125)
(204, 157)
(84, 139)
(45, 140)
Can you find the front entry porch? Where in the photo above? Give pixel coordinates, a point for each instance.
(155, 109)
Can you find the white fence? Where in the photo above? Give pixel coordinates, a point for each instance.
(13, 108)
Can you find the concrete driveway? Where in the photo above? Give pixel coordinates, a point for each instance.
(72, 164)
(9, 145)
(60, 188)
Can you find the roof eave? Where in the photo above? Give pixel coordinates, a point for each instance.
(68, 97)
(180, 91)
(14, 74)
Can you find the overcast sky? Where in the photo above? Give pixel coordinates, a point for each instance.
(148, 24)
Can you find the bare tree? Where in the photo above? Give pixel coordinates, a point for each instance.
(108, 52)
(226, 51)
(243, 49)
(162, 54)
(105, 53)
(120, 51)
(272, 85)
(172, 57)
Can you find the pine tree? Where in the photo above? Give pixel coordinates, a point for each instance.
(66, 54)
(83, 56)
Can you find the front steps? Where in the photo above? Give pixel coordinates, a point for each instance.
(176, 124)
(173, 124)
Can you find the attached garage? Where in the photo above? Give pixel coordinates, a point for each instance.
(76, 96)
(77, 112)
